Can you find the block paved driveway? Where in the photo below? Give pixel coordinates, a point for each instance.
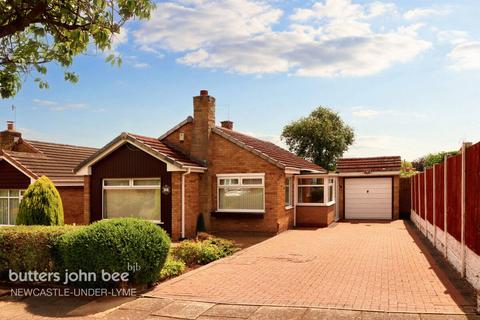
(356, 266)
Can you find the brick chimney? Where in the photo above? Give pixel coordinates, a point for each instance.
(227, 124)
(9, 138)
(203, 123)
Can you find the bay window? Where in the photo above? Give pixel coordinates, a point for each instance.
(138, 198)
(288, 192)
(241, 192)
(9, 203)
(316, 191)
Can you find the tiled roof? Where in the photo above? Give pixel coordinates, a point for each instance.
(373, 164)
(162, 148)
(268, 150)
(56, 161)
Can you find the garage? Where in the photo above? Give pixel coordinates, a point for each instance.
(368, 198)
(369, 188)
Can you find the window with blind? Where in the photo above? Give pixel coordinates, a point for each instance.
(9, 203)
(138, 198)
(241, 193)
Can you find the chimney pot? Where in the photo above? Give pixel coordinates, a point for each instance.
(227, 124)
(204, 92)
(10, 126)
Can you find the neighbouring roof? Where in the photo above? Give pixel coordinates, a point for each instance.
(372, 164)
(269, 151)
(54, 160)
(148, 144)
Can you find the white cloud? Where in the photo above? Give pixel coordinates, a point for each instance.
(453, 36)
(56, 106)
(378, 145)
(419, 13)
(365, 113)
(328, 39)
(465, 56)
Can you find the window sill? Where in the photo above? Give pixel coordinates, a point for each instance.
(288, 207)
(315, 204)
(238, 215)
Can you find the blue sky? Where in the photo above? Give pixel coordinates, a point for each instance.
(403, 74)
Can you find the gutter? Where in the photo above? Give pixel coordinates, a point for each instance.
(183, 201)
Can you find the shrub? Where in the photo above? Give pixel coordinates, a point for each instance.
(41, 205)
(29, 248)
(187, 251)
(204, 250)
(226, 247)
(172, 268)
(114, 245)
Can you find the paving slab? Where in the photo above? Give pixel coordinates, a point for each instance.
(183, 309)
(233, 311)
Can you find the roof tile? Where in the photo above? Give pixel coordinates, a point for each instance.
(372, 164)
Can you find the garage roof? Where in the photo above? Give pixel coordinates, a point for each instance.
(367, 165)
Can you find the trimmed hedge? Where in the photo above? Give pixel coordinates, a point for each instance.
(41, 205)
(114, 245)
(29, 248)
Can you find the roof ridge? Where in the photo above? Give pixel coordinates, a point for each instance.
(59, 144)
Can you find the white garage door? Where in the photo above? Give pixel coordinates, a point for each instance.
(368, 198)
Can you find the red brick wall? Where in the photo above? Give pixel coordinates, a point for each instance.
(192, 205)
(173, 138)
(72, 199)
(227, 157)
(315, 216)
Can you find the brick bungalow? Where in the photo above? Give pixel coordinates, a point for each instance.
(235, 181)
(24, 161)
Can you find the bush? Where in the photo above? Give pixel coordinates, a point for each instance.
(172, 268)
(188, 251)
(114, 245)
(29, 248)
(204, 250)
(41, 205)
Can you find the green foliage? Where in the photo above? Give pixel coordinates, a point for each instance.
(33, 33)
(201, 223)
(407, 169)
(188, 251)
(430, 159)
(112, 245)
(322, 137)
(41, 205)
(172, 268)
(203, 251)
(29, 248)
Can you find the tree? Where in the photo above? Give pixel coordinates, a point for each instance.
(41, 205)
(36, 32)
(430, 159)
(322, 137)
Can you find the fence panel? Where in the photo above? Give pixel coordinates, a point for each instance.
(414, 194)
(472, 198)
(421, 209)
(454, 199)
(429, 213)
(405, 196)
(439, 192)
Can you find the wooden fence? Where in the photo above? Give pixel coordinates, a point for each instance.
(405, 197)
(445, 205)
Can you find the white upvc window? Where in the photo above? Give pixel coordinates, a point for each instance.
(288, 192)
(316, 191)
(9, 204)
(134, 197)
(241, 192)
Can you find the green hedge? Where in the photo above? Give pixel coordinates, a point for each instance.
(29, 248)
(172, 268)
(41, 205)
(114, 245)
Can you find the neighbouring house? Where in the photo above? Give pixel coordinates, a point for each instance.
(24, 161)
(369, 188)
(235, 181)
